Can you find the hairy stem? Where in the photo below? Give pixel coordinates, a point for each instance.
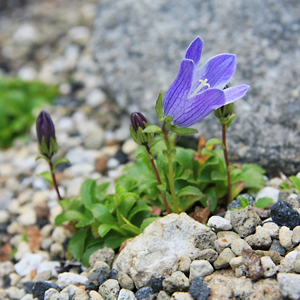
(159, 181)
(227, 162)
(54, 181)
(171, 172)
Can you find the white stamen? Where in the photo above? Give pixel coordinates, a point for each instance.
(203, 83)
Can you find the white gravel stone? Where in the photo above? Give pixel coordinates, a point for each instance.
(236, 262)
(50, 292)
(162, 243)
(26, 33)
(269, 192)
(126, 295)
(129, 146)
(238, 245)
(28, 263)
(14, 278)
(200, 268)
(4, 216)
(65, 279)
(176, 282)
(112, 163)
(219, 223)
(23, 248)
(46, 230)
(15, 293)
(296, 235)
(125, 281)
(27, 73)
(6, 268)
(28, 218)
(80, 169)
(289, 285)
(27, 297)
(110, 289)
(182, 296)
(95, 98)
(287, 263)
(48, 266)
(285, 237)
(270, 229)
(57, 250)
(184, 264)
(269, 267)
(79, 34)
(59, 234)
(221, 244)
(96, 296)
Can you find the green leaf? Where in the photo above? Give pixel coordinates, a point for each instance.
(88, 192)
(254, 168)
(190, 190)
(244, 201)
(236, 188)
(142, 155)
(70, 215)
(214, 142)
(76, 244)
(43, 157)
(103, 229)
(138, 208)
(47, 176)
(217, 176)
(87, 220)
(130, 227)
(147, 222)
(152, 129)
(159, 106)
(102, 214)
(59, 161)
(285, 186)
(183, 130)
(163, 186)
(211, 197)
(296, 182)
(229, 120)
(155, 141)
(115, 241)
(263, 202)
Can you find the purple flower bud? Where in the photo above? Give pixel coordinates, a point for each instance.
(46, 134)
(137, 120)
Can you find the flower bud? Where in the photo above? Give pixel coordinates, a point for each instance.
(138, 120)
(45, 130)
(224, 111)
(138, 124)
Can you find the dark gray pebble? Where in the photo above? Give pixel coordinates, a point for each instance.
(276, 246)
(283, 214)
(237, 203)
(145, 292)
(113, 274)
(41, 287)
(156, 284)
(198, 289)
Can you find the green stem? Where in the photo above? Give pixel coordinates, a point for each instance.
(54, 181)
(171, 172)
(227, 162)
(159, 181)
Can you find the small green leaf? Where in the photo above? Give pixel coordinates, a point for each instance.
(159, 106)
(285, 186)
(217, 176)
(43, 157)
(296, 182)
(76, 244)
(244, 201)
(183, 130)
(210, 197)
(103, 229)
(190, 190)
(213, 142)
(229, 120)
(168, 119)
(70, 215)
(162, 187)
(155, 141)
(263, 202)
(87, 219)
(142, 155)
(138, 208)
(102, 214)
(130, 227)
(152, 129)
(88, 192)
(47, 176)
(59, 161)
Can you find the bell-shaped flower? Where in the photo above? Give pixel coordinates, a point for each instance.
(197, 91)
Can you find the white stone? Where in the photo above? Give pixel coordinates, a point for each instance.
(129, 146)
(110, 289)
(269, 192)
(15, 293)
(181, 296)
(47, 266)
(65, 124)
(27, 297)
(46, 230)
(289, 285)
(96, 296)
(23, 249)
(65, 279)
(271, 229)
(79, 34)
(269, 267)
(112, 163)
(95, 98)
(28, 263)
(238, 245)
(236, 262)
(28, 217)
(27, 73)
(4, 216)
(158, 249)
(80, 169)
(26, 33)
(285, 237)
(126, 295)
(296, 235)
(6, 268)
(219, 223)
(50, 292)
(200, 268)
(59, 234)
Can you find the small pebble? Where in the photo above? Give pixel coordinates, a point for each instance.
(181, 296)
(224, 258)
(176, 282)
(144, 293)
(125, 295)
(238, 245)
(184, 264)
(268, 266)
(110, 289)
(289, 285)
(285, 237)
(200, 268)
(198, 289)
(219, 223)
(296, 235)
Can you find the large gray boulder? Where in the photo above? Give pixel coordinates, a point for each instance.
(139, 44)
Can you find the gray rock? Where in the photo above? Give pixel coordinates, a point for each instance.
(162, 295)
(125, 281)
(224, 258)
(106, 254)
(15, 293)
(208, 254)
(163, 243)
(259, 241)
(276, 246)
(238, 245)
(133, 69)
(244, 221)
(97, 275)
(144, 293)
(184, 264)
(6, 268)
(110, 289)
(200, 268)
(289, 285)
(199, 289)
(177, 282)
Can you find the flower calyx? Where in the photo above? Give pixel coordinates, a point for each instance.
(138, 124)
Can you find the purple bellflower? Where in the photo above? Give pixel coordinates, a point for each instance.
(197, 91)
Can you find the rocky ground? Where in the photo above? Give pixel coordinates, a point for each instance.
(242, 255)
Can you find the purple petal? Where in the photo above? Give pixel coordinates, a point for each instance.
(199, 107)
(179, 90)
(235, 93)
(194, 50)
(218, 71)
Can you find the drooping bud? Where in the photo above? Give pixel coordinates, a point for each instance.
(138, 124)
(138, 120)
(45, 130)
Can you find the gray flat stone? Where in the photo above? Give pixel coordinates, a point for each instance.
(139, 45)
